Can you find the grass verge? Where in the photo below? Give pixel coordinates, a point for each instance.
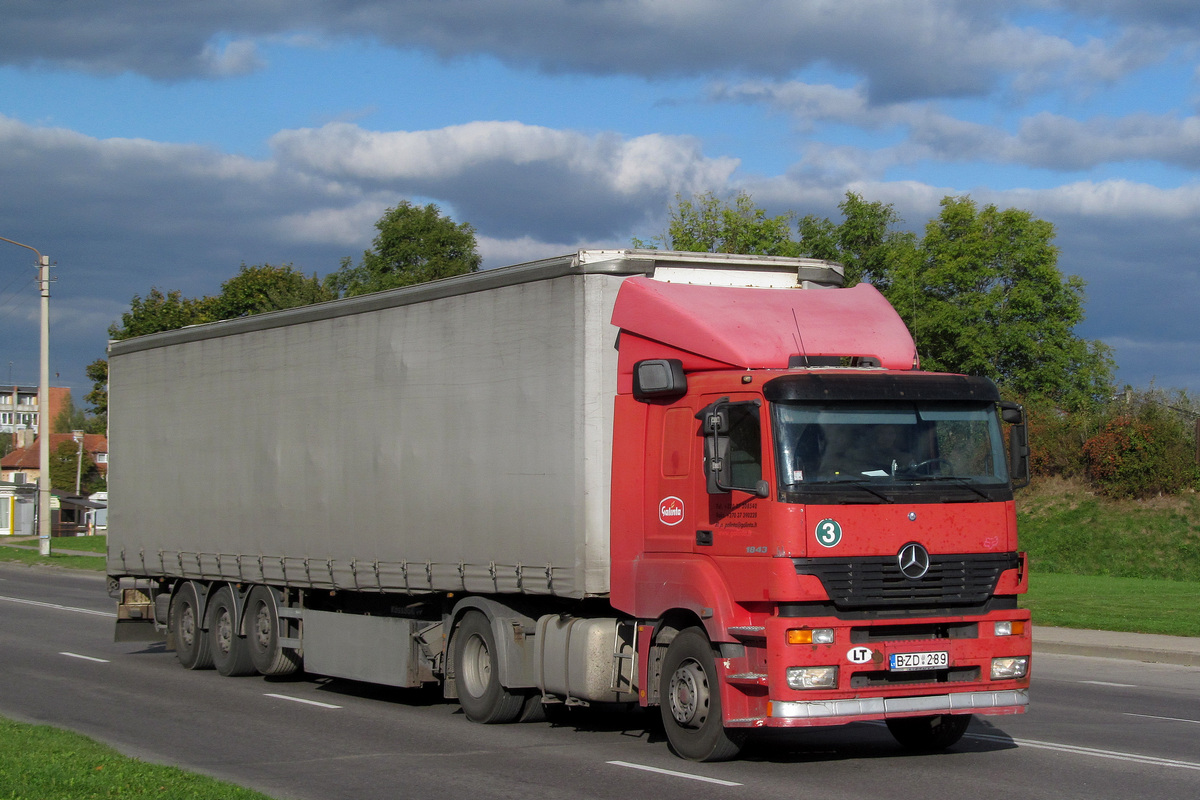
(38, 762)
(1136, 605)
(54, 559)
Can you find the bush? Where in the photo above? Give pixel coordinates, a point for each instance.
(1141, 453)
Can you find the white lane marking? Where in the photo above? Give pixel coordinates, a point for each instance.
(673, 773)
(1106, 683)
(1115, 755)
(301, 700)
(57, 606)
(86, 658)
(1168, 719)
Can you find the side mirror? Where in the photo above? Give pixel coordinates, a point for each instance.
(659, 378)
(1018, 443)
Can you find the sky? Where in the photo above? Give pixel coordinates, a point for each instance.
(163, 145)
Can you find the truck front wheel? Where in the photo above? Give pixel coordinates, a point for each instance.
(690, 701)
(928, 734)
(477, 677)
(191, 643)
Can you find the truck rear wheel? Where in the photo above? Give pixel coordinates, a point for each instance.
(690, 701)
(263, 634)
(927, 734)
(191, 643)
(477, 676)
(230, 653)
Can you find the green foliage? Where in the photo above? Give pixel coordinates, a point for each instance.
(1141, 456)
(97, 398)
(707, 224)
(265, 287)
(1067, 529)
(866, 242)
(65, 460)
(415, 244)
(1137, 445)
(38, 762)
(988, 299)
(158, 312)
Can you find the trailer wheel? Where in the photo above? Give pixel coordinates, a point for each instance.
(263, 634)
(477, 677)
(191, 643)
(230, 653)
(927, 734)
(690, 701)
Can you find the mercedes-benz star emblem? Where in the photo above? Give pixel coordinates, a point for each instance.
(914, 561)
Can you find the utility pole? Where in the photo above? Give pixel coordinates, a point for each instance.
(44, 421)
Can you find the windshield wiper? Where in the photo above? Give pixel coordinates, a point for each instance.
(957, 481)
(858, 484)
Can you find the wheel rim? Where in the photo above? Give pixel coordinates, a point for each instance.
(689, 694)
(261, 627)
(187, 625)
(224, 631)
(476, 666)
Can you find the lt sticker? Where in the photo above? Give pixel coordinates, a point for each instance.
(828, 532)
(859, 655)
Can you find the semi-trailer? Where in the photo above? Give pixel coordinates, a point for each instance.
(716, 484)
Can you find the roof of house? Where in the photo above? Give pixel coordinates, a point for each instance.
(29, 457)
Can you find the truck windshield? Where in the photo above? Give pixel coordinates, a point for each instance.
(887, 451)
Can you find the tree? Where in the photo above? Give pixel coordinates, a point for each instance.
(265, 287)
(866, 242)
(65, 460)
(987, 298)
(707, 224)
(97, 398)
(71, 419)
(415, 244)
(158, 312)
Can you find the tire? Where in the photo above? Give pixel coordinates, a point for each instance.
(187, 628)
(477, 676)
(690, 701)
(230, 652)
(929, 734)
(263, 628)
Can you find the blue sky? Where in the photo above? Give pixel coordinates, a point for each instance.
(163, 145)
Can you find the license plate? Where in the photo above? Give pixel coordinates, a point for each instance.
(898, 662)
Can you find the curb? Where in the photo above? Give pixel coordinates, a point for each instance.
(1153, 648)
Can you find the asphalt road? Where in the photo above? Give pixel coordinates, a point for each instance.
(1097, 728)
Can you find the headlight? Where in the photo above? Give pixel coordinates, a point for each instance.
(810, 636)
(812, 677)
(1009, 668)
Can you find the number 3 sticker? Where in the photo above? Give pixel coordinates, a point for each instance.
(829, 533)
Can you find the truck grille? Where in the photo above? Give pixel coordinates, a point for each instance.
(876, 582)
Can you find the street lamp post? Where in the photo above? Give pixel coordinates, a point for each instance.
(44, 422)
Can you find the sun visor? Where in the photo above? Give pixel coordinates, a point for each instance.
(753, 328)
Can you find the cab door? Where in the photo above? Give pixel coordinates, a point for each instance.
(673, 468)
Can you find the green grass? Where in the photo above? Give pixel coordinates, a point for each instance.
(1067, 530)
(1111, 565)
(43, 763)
(1137, 605)
(57, 559)
(90, 544)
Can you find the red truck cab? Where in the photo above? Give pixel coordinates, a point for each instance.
(815, 531)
